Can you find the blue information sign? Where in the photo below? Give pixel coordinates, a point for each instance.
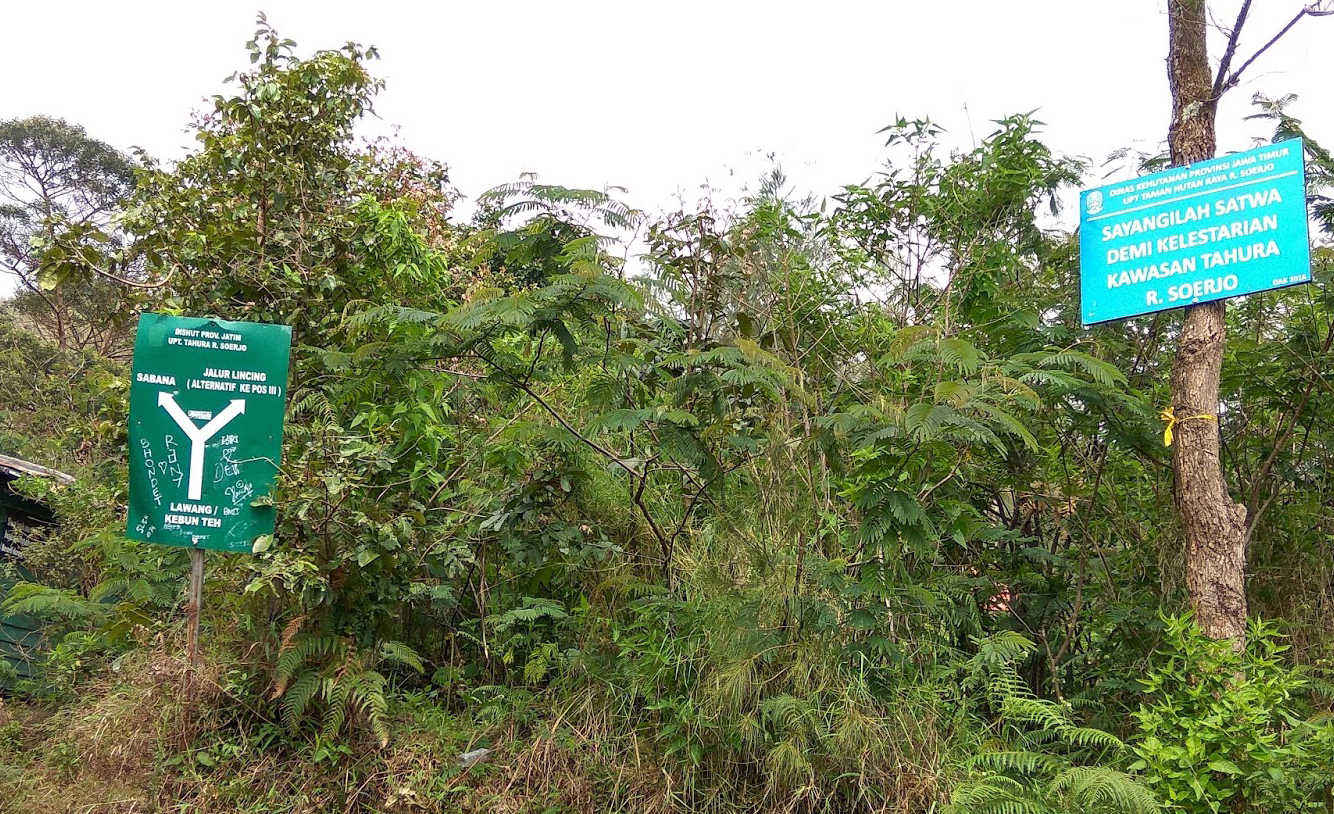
(1220, 228)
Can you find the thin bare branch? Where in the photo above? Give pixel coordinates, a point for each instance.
(1222, 85)
(1228, 53)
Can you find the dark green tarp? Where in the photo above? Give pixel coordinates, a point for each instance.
(21, 640)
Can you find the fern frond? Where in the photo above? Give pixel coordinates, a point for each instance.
(298, 697)
(1088, 737)
(1099, 788)
(402, 655)
(1021, 762)
(28, 598)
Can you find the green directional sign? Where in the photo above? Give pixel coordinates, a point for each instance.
(206, 430)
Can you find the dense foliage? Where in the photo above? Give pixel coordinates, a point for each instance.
(809, 508)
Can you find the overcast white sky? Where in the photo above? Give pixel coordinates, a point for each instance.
(660, 97)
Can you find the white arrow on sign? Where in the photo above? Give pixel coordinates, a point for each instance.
(198, 436)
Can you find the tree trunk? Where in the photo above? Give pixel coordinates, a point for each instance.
(1213, 524)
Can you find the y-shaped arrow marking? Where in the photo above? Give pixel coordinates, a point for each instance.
(198, 435)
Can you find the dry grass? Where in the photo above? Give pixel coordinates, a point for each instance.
(105, 755)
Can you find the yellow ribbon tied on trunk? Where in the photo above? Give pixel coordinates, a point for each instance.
(1169, 415)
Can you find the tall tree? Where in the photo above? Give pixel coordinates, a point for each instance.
(56, 183)
(1216, 528)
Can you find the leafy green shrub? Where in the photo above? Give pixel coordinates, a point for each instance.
(11, 736)
(1226, 730)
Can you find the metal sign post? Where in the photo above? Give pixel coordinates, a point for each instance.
(207, 399)
(194, 601)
